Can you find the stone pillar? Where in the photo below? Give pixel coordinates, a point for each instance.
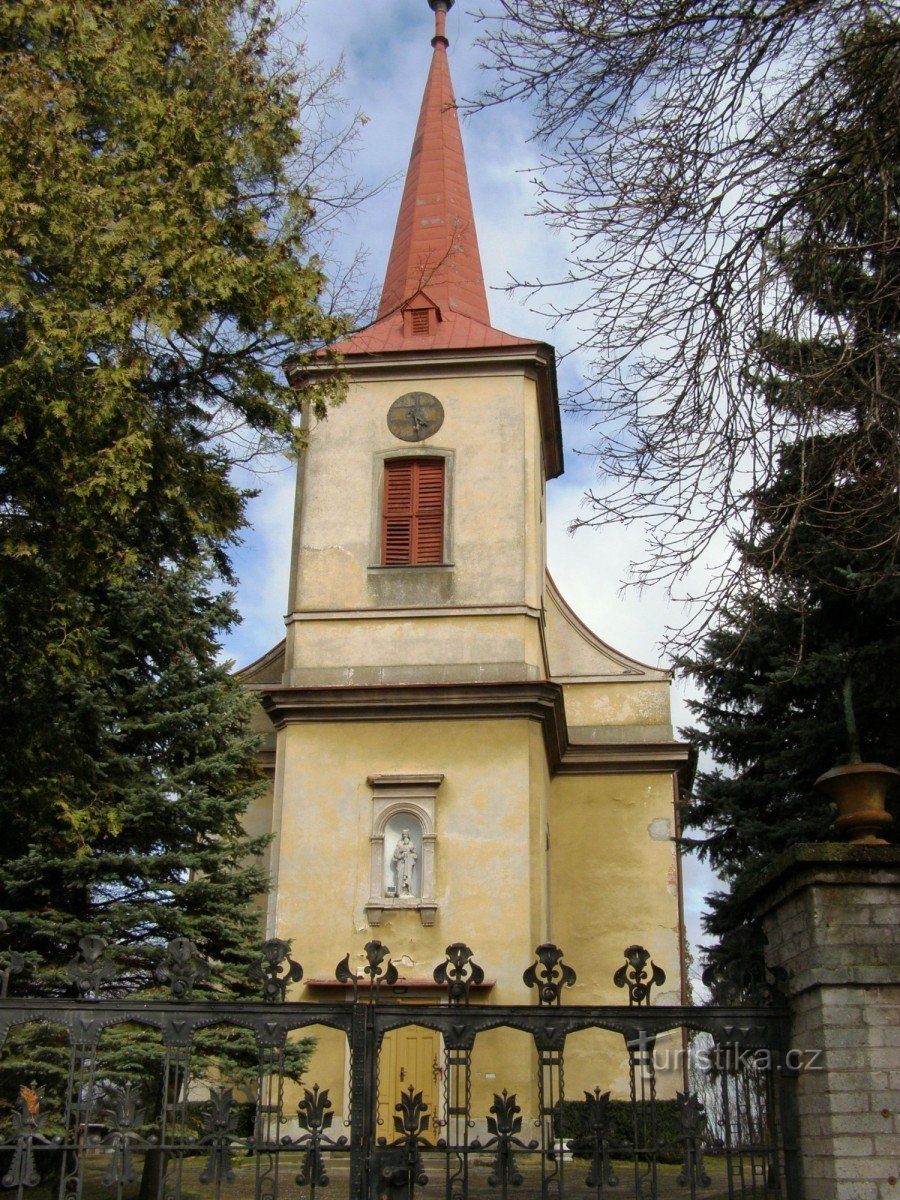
(831, 914)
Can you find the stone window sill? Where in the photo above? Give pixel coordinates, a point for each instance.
(375, 908)
(381, 567)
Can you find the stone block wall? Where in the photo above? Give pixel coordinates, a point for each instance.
(831, 914)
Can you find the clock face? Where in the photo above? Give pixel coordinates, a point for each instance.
(415, 416)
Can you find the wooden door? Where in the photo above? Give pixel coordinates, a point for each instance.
(410, 1057)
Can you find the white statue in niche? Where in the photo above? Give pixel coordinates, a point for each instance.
(404, 861)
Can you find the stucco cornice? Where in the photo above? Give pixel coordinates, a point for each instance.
(537, 360)
(420, 612)
(540, 701)
(424, 702)
(628, 758)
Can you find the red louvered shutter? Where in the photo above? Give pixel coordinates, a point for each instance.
(397, 513)
(413, 512)
(421, 320)
(428, 516)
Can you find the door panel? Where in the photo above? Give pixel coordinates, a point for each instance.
(410, 1057)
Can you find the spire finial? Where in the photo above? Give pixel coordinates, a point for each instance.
(440, 8)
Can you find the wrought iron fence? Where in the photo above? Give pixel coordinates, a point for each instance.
(185, 1130)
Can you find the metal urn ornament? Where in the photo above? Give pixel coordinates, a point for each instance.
(860, 791)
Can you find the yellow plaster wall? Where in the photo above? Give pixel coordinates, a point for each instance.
(643, 702)
(257, 822)
(416, 650)
(535, 534)
(613, 883)
(491, 869)
(491, 429)
(327, 1067)
(609, 879)
(484, 830)
(540, 837)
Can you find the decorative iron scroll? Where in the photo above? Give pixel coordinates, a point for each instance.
(504, 1125)
(79, 1101)
(181, 968)
(549, 974)
(594, 1143)
(692, 1116)
(413, 1119)
(398, 1164)
(635, 976)
(27, 1122)
(549, 1116)
(315, 1116)
(458, 973)
(174, 1125)
(457, 1083)
(91, 968)
(15, 962)
(123, 1114)
(275, 969)
(219, 1124)
(267, 1126)
(376, 953)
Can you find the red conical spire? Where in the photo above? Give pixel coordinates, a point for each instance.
(435, 248)
(433, 296)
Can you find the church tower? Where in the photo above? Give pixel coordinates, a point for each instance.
(454, 755)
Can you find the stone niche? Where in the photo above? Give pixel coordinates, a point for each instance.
(403, 840)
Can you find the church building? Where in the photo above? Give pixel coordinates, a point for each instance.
(454, 755)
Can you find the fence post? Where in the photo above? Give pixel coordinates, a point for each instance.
(830, 914)
(363, 1068)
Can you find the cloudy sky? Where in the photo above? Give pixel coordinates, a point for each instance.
(386, 51)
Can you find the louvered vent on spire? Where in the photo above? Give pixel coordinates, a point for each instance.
(434, 257)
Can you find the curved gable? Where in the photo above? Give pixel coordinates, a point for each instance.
(575, 652)
(268, 668)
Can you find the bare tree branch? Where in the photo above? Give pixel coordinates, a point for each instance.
(680, 143)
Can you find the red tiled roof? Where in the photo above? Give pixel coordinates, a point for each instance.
(454, 332)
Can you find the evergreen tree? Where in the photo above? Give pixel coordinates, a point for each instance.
(823, 621)
(144, 841)
(772, 716)
(128, 823)
(154, 273)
